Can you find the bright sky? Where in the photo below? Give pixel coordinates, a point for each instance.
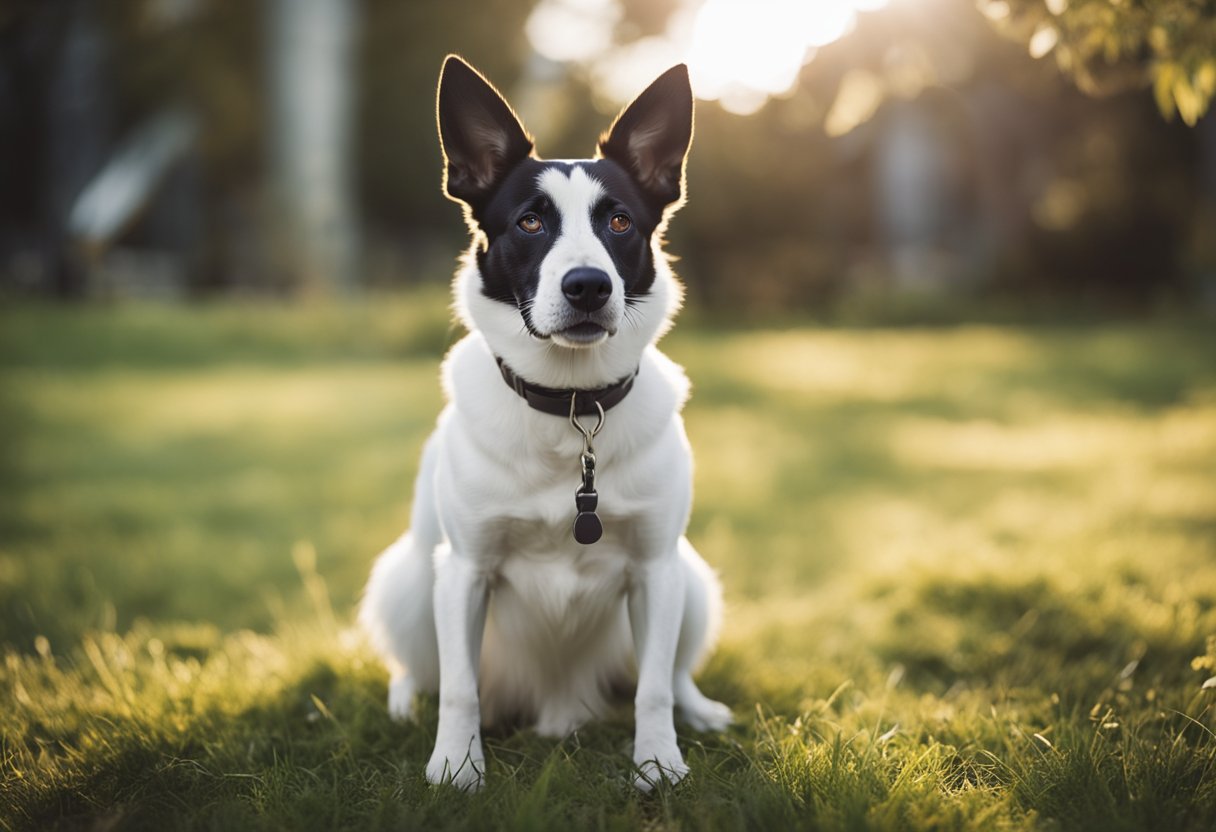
(739, 52)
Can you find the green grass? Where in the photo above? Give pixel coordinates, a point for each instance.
(970, 573)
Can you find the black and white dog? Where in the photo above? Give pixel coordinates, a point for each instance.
(510, 595)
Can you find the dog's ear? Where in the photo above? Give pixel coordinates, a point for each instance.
(481, 137)
(651, 136)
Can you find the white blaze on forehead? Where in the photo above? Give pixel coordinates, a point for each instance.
(574, 196)
(577, 245)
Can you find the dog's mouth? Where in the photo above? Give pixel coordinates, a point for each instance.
(585, 331)
(582, 334)
(571, 331)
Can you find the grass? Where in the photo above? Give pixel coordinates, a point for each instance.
(969, 575)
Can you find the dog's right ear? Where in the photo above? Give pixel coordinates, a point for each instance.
(651, 136)
(481, 137)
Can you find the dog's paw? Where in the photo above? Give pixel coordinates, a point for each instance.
(401, 698)
(705, 715)
(657, 765)
(466, 773)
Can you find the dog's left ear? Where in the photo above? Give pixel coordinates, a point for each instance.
(482, 138)
(651, 136)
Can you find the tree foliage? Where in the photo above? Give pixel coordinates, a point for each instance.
(1109, 45)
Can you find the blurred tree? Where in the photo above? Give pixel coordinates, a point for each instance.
(1109, 45)
(78, 123)
(310, 60)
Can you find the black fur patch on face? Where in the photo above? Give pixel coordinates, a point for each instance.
(511, 258)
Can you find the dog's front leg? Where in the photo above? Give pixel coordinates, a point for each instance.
(656, 607)
(460, 618)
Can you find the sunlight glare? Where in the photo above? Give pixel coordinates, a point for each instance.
(625, 70)
(572, 30)
(825, 22)
(739, 52)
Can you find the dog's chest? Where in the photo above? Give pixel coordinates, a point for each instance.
(543, 563)
(536, 521)
(556, 577)
(527, 480)
(509, 474)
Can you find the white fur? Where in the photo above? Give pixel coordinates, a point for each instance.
(488, 598)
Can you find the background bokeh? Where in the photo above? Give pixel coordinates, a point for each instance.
(854, 159)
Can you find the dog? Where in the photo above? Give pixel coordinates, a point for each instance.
(546, 569)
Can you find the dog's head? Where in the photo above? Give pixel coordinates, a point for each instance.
(566, 279)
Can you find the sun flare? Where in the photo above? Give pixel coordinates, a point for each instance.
(743, 52)
(739, 52)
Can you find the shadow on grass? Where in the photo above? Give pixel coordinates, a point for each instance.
(291, 732)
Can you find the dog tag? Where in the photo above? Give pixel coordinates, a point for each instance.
(587, 526)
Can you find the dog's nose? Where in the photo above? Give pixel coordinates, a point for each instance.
(587, 289)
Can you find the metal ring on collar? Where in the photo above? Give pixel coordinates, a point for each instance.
(588, 435)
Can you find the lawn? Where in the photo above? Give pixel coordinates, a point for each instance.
(970, 574)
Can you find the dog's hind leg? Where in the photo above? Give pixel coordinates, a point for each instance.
(698, 633)
(397, 611)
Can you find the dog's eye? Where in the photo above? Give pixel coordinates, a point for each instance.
(530, 223)
(620, 223)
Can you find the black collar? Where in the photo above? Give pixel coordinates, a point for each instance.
(557, 402)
